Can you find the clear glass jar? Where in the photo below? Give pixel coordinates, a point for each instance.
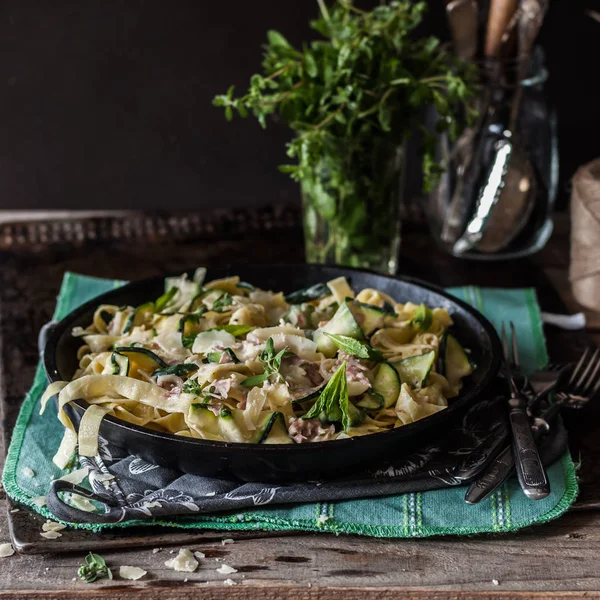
(351, 206)
(469, 160)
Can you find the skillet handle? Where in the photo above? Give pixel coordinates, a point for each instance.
(43, 336)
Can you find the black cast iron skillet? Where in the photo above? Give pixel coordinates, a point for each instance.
(279, 463)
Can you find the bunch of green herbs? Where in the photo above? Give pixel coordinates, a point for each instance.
(352, 98)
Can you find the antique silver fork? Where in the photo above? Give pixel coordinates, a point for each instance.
(530, 470)
(581, 387)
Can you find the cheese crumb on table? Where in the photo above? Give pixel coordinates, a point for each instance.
(226, 570)
(226, 541)
(126, 572)
(184, 561)
(495, 582)
(6, 549)
(199, 554)
(229, 582)
(52, 526)
(156, 550)
(51, 535)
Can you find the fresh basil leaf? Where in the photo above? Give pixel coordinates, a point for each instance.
(354, 347)
(423, 317)
(255, 379)
(333, 401)
(235, 330)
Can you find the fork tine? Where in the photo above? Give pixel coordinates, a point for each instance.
(591, 378)
(595, 390)
(515, 345)
(579, 366)
(581, 381)
(504, 342)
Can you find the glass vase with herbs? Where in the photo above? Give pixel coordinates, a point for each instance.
(351, 99)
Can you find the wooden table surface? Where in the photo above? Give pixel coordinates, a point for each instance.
(558, 560)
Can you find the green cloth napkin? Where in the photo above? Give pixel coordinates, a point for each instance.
(440, 512)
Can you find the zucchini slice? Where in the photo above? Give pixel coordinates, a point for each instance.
(387, 384)
(189, 326)
(229, 428)
(120, 364)
(165, 300)
(456, 362)
(203, 418)
(315, 292)
(368, 316)
(141, 359)
(140, 316)
(415, 370)
(423, 318)
(265, 426)
(356, 415)
(342, 323)
(371, 401)
(278, 433)
(305, 395)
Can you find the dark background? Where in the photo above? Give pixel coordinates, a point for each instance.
(108, 104)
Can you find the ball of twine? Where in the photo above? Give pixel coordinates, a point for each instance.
(585, 235)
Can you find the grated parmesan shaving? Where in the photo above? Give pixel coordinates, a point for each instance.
(184, 561)
(226, 541)
(51, 535)
(226, 570)
(229, 582)
(80, 502)
(76, 477)
(39, 501)
(6, 549)
(52, 526)
(199, 555)
(27, 472)
(134, 573)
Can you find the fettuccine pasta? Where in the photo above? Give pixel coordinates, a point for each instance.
(229, 362)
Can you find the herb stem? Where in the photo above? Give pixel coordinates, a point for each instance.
(324, 11)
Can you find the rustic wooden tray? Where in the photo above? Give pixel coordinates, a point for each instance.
(134, 246)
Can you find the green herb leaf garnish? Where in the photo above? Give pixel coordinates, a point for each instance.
(181, 370)
(354, 347)
(271, 362)
(192, 387)
(93, 568)
(351, 98)
(222, 302)
(333, 401)
(235, 330)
